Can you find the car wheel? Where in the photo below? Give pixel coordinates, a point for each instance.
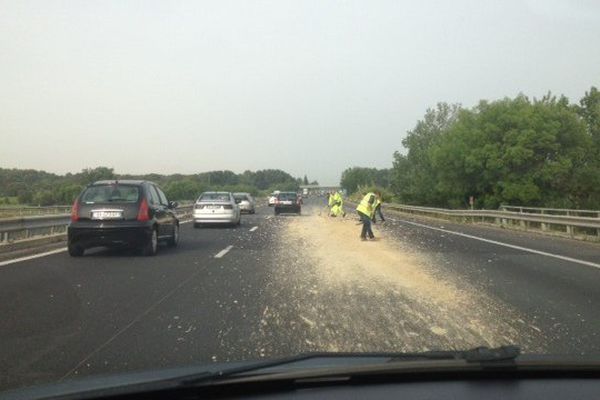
(174, 240)
(75, 250)
(151, 245)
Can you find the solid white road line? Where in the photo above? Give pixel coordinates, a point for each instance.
(223, 252)
(49, 253)
(253, 228)
(512, 246)
(31, 257)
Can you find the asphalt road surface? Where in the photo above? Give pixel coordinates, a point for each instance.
(277, 286)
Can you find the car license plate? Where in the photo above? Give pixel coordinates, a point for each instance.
(107, 214)
(212, 207)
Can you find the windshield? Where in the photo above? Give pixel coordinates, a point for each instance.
(188, 183)
(110, 193)
(214, 197)
(287, 196)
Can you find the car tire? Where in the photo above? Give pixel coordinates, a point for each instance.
(151, 246)
(174, 240)
(75, 250)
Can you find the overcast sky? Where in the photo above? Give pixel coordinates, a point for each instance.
(311, 87)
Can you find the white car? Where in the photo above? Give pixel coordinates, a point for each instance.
(245, 201)
(216, 208)
(273, 198)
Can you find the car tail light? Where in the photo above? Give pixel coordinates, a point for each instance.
(75, 211)
(144, 211)
(198, 207)
(228, 207)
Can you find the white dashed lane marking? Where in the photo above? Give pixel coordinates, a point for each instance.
(223, 252)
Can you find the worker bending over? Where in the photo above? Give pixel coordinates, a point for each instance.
(366, 211)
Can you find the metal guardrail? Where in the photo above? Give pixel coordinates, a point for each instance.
(7, 212)
(21, 228)
(570, 225)
(552, 211)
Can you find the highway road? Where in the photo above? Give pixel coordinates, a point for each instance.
(277, 286)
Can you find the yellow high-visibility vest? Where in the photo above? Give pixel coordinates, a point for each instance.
(338, 198)
(364, 206)
(377, 204)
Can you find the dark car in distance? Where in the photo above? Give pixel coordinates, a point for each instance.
(287, 202)
(119, 213)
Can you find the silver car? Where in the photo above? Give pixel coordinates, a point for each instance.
(246, 202)
(216, 208)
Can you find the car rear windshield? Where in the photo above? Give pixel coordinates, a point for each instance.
(111, 193)
(287, 196)
(240, 197)
(214, 197)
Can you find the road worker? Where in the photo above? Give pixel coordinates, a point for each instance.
(377, 209)
(366, 212)
(330, 201)
(337, 208)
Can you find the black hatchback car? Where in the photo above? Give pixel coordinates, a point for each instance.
(122, 213)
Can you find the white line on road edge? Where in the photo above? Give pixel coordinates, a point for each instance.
(253, 228)
(512, 246)
(223, 252)
(268, 217)
(47, 253)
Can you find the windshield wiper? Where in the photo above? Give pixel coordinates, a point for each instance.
(477, 354)
(482, 355)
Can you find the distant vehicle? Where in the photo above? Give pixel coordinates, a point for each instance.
(122, 213)
(305, 192)
(273, 198)
(287, 202)
(246, 202)
(216, 208)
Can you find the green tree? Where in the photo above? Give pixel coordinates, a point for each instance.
(414, 177)
(44, 198)
(589, 110)
(586, 181)
(186, 189)
(510, 151)
(90, 175)
(354, 177)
